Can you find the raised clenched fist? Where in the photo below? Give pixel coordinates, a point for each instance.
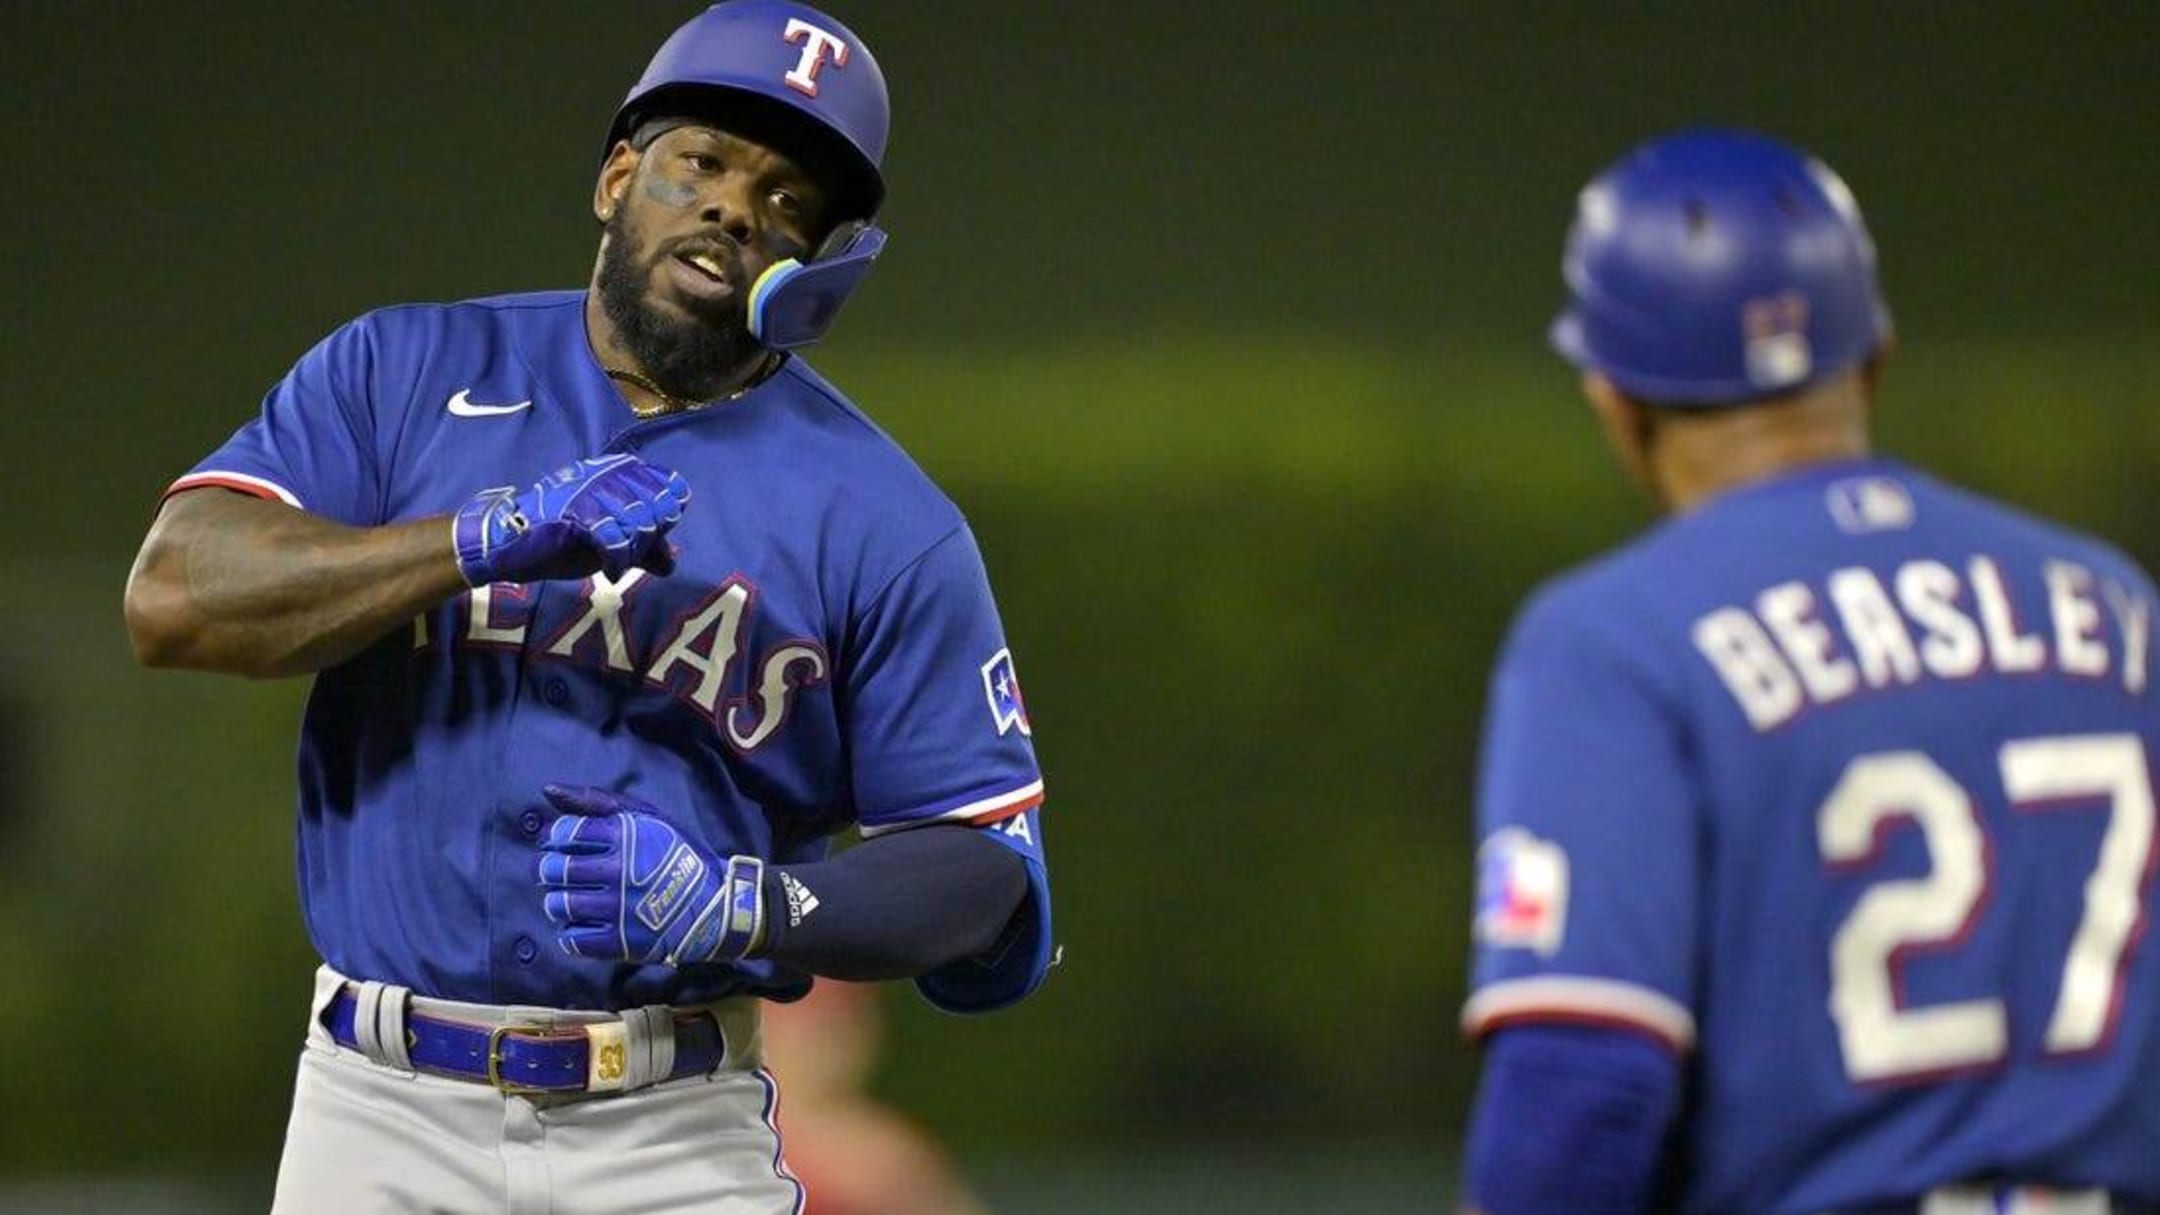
(608, 514)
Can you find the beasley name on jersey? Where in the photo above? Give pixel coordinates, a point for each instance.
(1808, 644)
(827, 651)
(1840, 784)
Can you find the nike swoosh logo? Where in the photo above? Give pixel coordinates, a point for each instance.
(461, 406)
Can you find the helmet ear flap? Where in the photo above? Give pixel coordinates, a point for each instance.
(793, 303)
(840, 239)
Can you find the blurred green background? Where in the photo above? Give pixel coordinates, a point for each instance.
(1224, 323)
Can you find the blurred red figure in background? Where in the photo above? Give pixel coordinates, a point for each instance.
(853, 1154)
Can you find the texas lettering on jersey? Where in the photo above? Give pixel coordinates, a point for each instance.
(695, 659)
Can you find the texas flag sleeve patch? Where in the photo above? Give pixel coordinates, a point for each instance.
(1002, 686)
(1522, 892)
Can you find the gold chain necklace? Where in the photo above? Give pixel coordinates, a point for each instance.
(669, 402)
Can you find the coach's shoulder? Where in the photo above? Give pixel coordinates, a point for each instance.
(2051, 538)
(1612, 612)
(1613, 585)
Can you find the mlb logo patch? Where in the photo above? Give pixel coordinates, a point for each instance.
(1001, 684)
(1522, 892)
(1870, 504)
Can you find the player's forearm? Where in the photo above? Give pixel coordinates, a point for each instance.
(243, 586)
(894, 907)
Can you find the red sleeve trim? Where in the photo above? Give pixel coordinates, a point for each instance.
(1495, 1024)
(1014, 810)
(254, 487)
(979, 813)
(1577, 1000)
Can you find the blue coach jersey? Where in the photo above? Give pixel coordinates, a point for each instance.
(826, 653)
(1841, 785)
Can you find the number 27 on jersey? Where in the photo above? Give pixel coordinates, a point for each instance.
(1884, 1041)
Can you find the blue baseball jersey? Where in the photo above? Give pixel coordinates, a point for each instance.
(1841, 786)
(826, 653)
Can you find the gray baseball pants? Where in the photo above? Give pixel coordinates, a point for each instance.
(368, 1137)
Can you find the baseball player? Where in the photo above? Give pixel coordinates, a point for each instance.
(1817, 826)
(617, 612)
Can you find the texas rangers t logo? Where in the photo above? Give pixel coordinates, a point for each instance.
(819, 46)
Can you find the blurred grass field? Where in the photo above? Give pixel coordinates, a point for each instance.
(1254, 588)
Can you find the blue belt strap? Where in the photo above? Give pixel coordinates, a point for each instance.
(520, 1060)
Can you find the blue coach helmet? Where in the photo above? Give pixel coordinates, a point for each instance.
(801, 79)
(1715, 266)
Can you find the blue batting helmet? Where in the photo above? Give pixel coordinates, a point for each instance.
(778, 59)
(800, 81)
(1715, 266)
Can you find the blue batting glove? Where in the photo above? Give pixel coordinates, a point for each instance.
(607, 514)
(621, 883)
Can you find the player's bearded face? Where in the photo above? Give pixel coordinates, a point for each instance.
(693, 347)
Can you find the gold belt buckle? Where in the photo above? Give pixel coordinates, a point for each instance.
(508, 1088)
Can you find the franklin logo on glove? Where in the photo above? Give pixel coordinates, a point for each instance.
(617, 878)
(684, 870)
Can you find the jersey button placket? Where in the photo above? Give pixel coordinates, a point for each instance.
(525, 950)
(529, 822)
(554, 691)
